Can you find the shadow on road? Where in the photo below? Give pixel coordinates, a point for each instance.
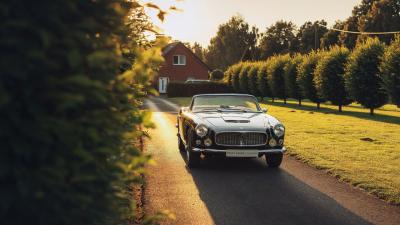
(245, 191)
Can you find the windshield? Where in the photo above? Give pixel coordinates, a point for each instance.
(225, 103)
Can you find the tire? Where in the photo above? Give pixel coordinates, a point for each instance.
(274, 160)
(192, 158)
(181, 146)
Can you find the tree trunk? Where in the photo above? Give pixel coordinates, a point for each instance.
(273, 99)
(371, 111)
(299, 102)
(340, 108)
(318, 105)
(284, 101)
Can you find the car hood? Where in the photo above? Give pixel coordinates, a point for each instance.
(236, 121)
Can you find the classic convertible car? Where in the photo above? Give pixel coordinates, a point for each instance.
(231, 125)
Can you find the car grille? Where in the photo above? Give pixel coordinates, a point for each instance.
(240, 138)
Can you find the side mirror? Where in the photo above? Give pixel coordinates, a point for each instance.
(264, 110)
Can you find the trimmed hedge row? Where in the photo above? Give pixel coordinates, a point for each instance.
(336, 75)
(181, 89)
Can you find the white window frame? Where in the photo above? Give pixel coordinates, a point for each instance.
(181, 60)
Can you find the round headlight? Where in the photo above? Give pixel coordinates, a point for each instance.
(279, 130)
(201, 130)
(208, 142)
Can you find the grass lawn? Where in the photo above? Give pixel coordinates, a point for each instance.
(353, 146)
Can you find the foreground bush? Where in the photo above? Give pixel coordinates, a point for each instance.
(276, 78)
(262, 81)
(390, 69)
(252, 80)
(305, 77)
(181, 89)
(68, 119)
(362, 75)
(290, 74)
(244, 78)
(329, 76)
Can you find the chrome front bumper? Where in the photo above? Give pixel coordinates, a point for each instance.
(260, 151)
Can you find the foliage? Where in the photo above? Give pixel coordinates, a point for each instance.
(382, 15)
(329, 76)
(278, 39)
(216, 75)
(275, 76)
(68, 118)
(262, 80)
(307, 39)
(362, 75)
(236, 69)
(243, 78)
(390, 70)
(181, 89)
(292, 88)
(252, 80)
(331, 37)
(305, 77)
(232, 41)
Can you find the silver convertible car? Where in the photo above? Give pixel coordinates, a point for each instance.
(230, 125)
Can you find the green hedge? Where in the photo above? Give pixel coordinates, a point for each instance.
(181, 89)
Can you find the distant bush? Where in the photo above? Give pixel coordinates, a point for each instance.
(244, 79)
(290, 74)
(236, 69)
(305, 77)
(276, 75)
(390, 70)
(262, 82)
(216, 75)
(329, 76)
(362, 75)
(181, 89)
(252, 81)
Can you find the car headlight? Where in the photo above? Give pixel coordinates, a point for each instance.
(279, 130)
(201, 130)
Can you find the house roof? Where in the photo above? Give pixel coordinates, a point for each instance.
(171, 46)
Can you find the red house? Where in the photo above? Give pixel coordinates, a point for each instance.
(181, 64)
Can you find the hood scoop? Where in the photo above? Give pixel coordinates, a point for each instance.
(237, 121)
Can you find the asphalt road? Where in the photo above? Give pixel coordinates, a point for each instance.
(245, 191)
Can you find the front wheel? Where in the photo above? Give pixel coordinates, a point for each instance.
(192, 157)
(274, 159)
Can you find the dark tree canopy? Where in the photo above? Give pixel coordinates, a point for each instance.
(390, 70)
(331, 38)
(216, 75)
(278, 39)
(309, 35)
(232, 41)
(362, 78)
(329, 76)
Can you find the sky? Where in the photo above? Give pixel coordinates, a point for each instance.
(198, 20)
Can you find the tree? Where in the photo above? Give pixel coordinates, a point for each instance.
(383, 15)
(390, 71)
(329, 76)
(309, 35)
(68, 115)
(198, 50)
(262, 81)
(305, 77)
(253, 85)
(243, 78)
(331, 37)
(362, 75)
(232, 41)
(276, 78)
(278, 39)
(290, 74)
(216, 75)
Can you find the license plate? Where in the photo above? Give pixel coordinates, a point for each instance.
(241, 153)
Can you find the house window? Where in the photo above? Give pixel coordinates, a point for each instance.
(180, 60)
